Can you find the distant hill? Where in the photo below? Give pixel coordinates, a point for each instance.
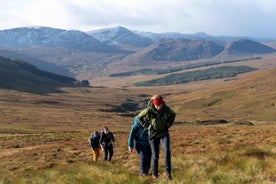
(246, 47)
(121, 37)
(98, 53)
(21, 76)
(45, 36)
(39, 62)
(27, 36)
(197, 36)
(175, 50)
(271, 44)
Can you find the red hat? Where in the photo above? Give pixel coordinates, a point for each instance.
(158, 101)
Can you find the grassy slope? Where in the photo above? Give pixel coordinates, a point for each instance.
(250, 98)
(43, 139)
(267, 62)
(21, 76)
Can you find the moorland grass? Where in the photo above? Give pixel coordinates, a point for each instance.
(43, 138)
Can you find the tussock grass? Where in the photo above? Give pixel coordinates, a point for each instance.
(223, 167)
(43, 138)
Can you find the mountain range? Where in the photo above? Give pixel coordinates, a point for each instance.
(86, 55)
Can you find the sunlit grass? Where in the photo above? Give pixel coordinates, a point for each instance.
(225, 167)
(43, 138)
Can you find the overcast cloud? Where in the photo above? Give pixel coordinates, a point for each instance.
(256, 18)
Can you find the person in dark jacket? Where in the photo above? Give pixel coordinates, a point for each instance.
(158, 118)
(94, 141)
(138, 139)
(106, 142)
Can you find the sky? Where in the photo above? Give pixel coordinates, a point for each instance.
(254, 18)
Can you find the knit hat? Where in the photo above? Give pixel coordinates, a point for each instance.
(157, 100)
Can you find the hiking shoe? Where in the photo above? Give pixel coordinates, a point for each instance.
(169, 177)
(154, 176)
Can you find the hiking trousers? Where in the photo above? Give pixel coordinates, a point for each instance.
(144, 152)
(108, 151)
(96, 154)
(155, 147)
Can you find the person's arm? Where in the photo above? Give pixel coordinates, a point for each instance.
(112, 137)
(171, 116)
(142, 118)
(132, 134)
(101, 141)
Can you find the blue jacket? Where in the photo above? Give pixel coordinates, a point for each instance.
(137, 135)
(94, 140)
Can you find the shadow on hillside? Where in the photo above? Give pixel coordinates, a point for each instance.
(128, 108)
(42, 90)
(204, 122)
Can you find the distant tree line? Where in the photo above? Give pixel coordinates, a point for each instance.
(212, 73)
(148, 71)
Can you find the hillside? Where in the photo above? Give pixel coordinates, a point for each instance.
(174, 50)
(198, 75)
(246, 47)
(251, 98)
(99, 53)
(43, 138)
(271, 44)
(21, 76)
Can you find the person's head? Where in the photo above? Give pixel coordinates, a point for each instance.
(106, 130)
(157, 102)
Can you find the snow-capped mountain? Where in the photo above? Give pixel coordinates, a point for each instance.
(120, 36)
(27, 36)
(91, 53)
(45, 36)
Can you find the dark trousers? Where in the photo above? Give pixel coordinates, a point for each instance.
(108, 152)
(144, 152)
(155, 147)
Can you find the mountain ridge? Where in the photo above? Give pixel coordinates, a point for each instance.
(86, 57)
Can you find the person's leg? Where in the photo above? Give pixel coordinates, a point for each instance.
(155, 145)
(96, 154)
(167, 154)
(141, 151)
(93, 154)
(110, 148)
(105, 152)
(147, 158)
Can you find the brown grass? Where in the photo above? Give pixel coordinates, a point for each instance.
(43, 138)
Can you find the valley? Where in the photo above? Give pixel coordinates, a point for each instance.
(43, 138)
(225, 127)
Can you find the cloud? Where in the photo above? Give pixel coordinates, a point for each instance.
(216, 17)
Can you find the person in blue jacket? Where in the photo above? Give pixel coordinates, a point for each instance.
(138, 139)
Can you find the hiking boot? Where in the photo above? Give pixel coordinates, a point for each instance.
(169, 177)
(144, 174)
(154, 176)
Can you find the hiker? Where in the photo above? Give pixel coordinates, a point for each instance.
(106, 142)
(138, 139)
(94, 140)
(157, 117)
